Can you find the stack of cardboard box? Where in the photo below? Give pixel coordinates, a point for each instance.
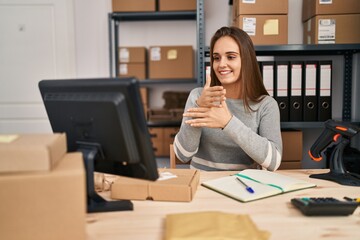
(42, 188)
(266, 22)
(331, 21)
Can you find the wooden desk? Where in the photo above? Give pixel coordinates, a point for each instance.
(275, 214)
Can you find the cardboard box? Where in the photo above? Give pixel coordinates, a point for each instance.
(181, 188)
(45, 205)
(265, 29)
(266, 7)
(133, 6)
(292, 149)
(330, 29)
(31, 152)
(326, 7)
(137, 70)
(171, 62)
(177, 5)
(132, 55)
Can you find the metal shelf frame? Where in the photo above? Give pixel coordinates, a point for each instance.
(114, 19)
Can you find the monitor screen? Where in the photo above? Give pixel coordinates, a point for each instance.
(105, 115)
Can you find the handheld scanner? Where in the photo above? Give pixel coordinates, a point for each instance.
(333, 130)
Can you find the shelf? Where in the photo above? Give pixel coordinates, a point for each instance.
(306, 49)
(152, 82)
(301, 125)
(146, 16)
(303, 49)
(164, 124)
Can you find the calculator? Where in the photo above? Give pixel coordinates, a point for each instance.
(324, 206)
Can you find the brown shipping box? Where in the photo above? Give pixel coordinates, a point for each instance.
(326, 7)
(265, 29)
(132, 55)
(31, 152)
(292, 149)
(177, 5)
(181, 188)
(133, 6)
(137, 70)
(323, 29)
(171, 62)
(260, 7)
(45, 205)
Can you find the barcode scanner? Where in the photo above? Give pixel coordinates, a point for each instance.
(338, 134)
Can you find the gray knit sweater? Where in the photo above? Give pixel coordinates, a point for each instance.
(249, 140)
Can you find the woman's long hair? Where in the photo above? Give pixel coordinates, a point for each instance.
(252, 86)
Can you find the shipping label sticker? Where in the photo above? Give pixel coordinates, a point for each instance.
(249, 26)
(249, 1)
(123, 69)
(155, 54)
(326, 30)
(124, 55)
(325, 1)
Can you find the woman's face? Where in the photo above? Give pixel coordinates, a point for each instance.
(226, 60)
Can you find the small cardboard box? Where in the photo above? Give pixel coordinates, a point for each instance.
(292, 149)
(265, 29)
(326, 7)
(181, 188)
(31, 152)
(45, 205)
(267, 7)
(132, 55)
(137, 70)
(133, 6)
(177, 5)
(331, 29)
(171, 62)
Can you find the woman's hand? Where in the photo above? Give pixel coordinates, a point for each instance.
(211, 117)
(211, 96)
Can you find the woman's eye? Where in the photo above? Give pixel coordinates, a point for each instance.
(216, 58)
(231, 57)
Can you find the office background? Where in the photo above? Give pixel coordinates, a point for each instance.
(45, 39)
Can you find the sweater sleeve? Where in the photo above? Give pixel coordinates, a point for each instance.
(187, 140)
(264, 146)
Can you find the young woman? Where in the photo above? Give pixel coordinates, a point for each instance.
(231, 123)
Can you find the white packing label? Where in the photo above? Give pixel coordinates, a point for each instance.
(249, 26)
(124, 55)
(155, 54)
(249, 1)
(326, 30)
(325, 1)
(310, 78)
(166, 176)
(325, 80)
(296, 76)
(123, 69)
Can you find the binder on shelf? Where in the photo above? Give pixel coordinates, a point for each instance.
(296, 102)
(310, 105)
(267, 71)
(282, 89)
(324, 90)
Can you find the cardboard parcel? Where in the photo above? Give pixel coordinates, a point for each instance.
(178, 185)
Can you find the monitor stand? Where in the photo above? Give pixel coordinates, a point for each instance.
(337, 171)
(95, 203)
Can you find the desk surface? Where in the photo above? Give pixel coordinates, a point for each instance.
(274, 214)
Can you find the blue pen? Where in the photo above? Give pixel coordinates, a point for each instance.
(249, 189)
